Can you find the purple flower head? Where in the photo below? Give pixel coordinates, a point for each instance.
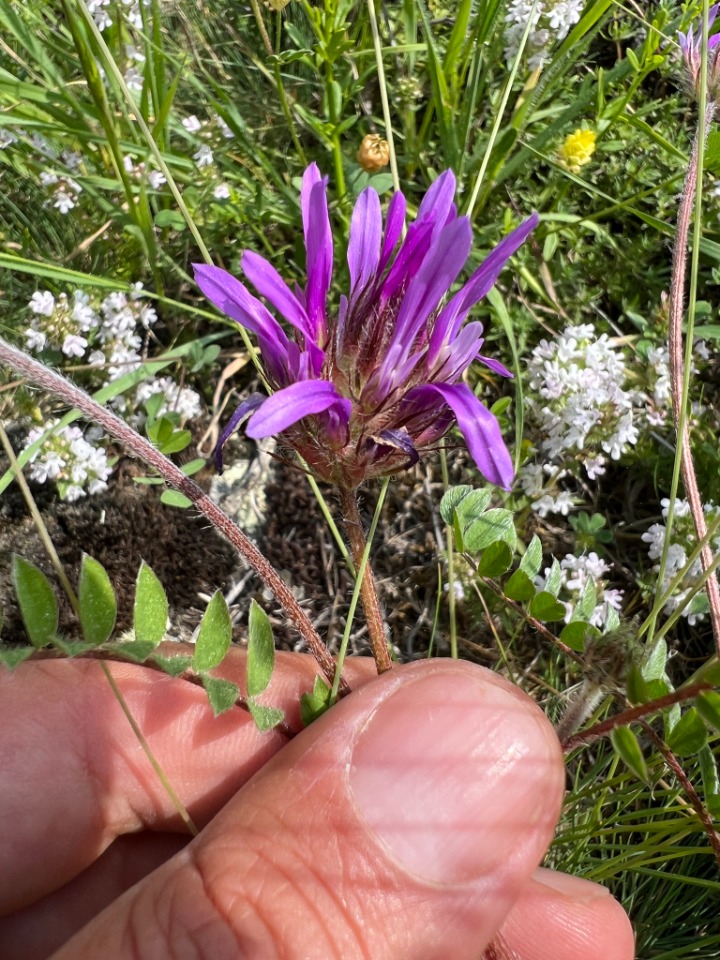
(691, 49)
(361, 392)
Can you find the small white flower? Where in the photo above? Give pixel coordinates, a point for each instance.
(64, 202)
(156, 179)
(74, 345)
(203, 157)
(134, 80)
(221, 192)
(42, 302)
(96, 359)
(192, 124)
(35, 339)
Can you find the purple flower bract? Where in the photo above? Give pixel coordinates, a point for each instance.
(362, 392)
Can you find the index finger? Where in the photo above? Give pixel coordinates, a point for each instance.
(75, 777)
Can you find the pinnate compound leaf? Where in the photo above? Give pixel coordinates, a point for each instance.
(520, 587)
(214, 635)
(173, 666)
(545, 607)
(315, 703)
(628, 747)
(12, 657)
(493, 525)
(708, 706)
(222, 694)
(261, 651)
(150, 613)
(96, 599)
(265, 717)
(36, 599)
(532, 560)
(496, 560)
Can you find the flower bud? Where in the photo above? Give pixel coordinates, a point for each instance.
(374, 153)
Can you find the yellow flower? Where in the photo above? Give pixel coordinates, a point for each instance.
(577, 150)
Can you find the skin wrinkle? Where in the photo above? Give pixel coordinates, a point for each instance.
(300, 874)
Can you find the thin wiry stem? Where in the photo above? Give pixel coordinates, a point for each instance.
(138, 446)
(680, 368)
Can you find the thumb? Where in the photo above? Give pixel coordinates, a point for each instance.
(402, 824)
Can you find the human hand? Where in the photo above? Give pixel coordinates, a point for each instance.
(406, 823)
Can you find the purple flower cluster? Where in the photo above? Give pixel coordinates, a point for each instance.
(691, 49)
(361, 393)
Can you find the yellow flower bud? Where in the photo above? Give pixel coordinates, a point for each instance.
(374, 153)
(577, 150)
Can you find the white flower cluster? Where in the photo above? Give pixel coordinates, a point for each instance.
(550, 22)
(682, 544)
(579, 400)
(575, 574)
(65, 191)
(108, 336)
(70, 459)
(101, 9)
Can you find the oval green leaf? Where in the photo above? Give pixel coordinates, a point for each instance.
(520, 587)
(532, 558)
(261, 651)
(628, 747)
(545, 607)
(150, 612)
(36, 599)
(688, 735)
(493, 525)
(214, 635)
(96, 598)
(708, 706)
(496, 560)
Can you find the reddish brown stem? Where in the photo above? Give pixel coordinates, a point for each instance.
(138, 446)
(639, 712)
(703, 815)
(675, 349)
(368, 587)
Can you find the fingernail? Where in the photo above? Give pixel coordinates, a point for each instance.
(457, 773)
(576, 888)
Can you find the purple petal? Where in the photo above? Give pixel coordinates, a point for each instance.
(318, 244)
(479, 427)
(232, 298)
(246, 407)
(441, 267)
(269, 284)
(291, 404)
(365, 235)
(409, 259)
(452, 317)
(437, 204)
(401, 440)
(394, 225)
